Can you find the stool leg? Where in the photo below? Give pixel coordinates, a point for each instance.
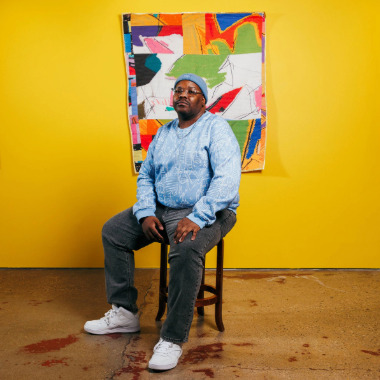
(219, 286)
(201, 294)
(163, 281)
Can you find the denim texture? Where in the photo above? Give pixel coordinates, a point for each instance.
(123, 234)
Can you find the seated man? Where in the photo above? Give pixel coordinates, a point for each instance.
(187, 193)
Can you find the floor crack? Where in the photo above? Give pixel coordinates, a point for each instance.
(129, 341)
(113, 374)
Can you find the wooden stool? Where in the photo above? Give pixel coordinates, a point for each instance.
(201, 301)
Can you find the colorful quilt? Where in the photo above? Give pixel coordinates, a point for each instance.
(226, 49)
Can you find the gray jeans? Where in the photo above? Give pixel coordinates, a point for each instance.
(123, 234)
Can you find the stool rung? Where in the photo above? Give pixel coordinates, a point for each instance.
(206, 301)
(208, 288)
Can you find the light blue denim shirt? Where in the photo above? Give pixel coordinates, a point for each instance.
(196, 167)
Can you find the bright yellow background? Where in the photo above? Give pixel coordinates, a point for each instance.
(65, 144)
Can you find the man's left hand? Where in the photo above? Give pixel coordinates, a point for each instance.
(185, 226)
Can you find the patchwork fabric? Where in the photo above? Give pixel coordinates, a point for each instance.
(226, 49)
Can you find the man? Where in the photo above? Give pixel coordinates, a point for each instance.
(187, 194)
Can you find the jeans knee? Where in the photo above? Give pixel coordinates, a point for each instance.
(184, 255)
(107, 229)
(111, 235)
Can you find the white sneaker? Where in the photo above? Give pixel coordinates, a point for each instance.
(165, 355)
(116, 320)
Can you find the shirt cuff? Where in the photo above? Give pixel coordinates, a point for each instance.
(143, 214)
(201, 223)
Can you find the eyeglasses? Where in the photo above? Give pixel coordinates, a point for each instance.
(190, 91)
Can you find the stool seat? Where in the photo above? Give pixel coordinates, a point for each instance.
(202, 301)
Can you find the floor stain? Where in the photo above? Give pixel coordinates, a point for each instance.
(374, 353)
(52, 362)
(133, 370)
(114, 336)
(136, 358)
(292, 359)
(36, 302)
(243, 344)
(207, 371)
(49, 345)
(201, 353)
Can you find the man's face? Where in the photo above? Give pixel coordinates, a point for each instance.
(190, 102)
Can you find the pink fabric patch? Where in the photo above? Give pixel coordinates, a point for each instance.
(258, 96)
(157, 47)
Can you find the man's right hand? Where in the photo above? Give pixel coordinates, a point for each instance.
(150, 226)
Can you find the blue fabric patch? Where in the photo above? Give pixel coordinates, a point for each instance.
(255, 137)
(127, 43)
(134, 96)
(228, 19)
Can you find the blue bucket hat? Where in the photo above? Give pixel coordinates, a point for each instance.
(196, 79)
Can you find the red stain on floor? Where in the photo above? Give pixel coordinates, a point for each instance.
(36, 302)
(374, 353)
(115, 336)
(207, 371)
(306, 345)
(50, 363)
(243, 344)
(292, 359)
(136, 358)
(253, 303)
(50, 345)
(201, 353)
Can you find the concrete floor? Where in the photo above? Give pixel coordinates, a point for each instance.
(279, 325)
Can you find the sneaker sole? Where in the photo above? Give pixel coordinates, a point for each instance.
(161, 367)
(111, 331)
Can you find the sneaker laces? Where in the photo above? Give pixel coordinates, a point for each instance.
(110, 314)
(162, 347)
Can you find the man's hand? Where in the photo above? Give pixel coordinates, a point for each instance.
(149, 226)
(185, 226)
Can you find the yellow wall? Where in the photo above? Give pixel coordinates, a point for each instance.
(65, 159)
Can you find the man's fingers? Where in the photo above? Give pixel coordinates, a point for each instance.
(183, 228)
(150, 225)
(149, 235)
(177, 235)
(184, 234)
(160, 226)
(157, 223)
(156, 234)
(194, 234)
